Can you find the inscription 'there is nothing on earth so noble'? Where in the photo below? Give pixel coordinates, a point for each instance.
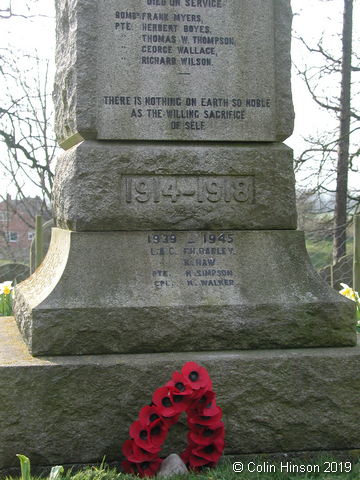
(188, 44)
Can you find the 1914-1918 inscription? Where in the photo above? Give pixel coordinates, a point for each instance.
(178, 188)
(186, 69)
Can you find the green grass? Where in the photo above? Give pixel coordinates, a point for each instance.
(225, 472)
(2, 262)
(320, 252)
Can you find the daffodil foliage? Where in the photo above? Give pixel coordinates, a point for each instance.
(350, 293)
(6, 290)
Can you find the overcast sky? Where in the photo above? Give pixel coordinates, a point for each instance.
(312, 19)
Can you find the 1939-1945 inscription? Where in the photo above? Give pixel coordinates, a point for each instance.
(197, 259)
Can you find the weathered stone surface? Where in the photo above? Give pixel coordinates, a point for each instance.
(172, 465)
(75, 111)
(63, 410)
(120, 292)
(223, 73)
(125, 186)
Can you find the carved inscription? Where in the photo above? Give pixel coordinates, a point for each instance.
(179, 188)
(173, 38)
(199, 260)
(184, 68)
(216, 247)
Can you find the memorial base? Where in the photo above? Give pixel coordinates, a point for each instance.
(146, 292)
(77, 409)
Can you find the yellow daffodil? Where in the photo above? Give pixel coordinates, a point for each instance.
(349, 292)
(6, 288)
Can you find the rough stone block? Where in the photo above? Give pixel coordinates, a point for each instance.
(198, 71)
(77, 409)
(126, 186)
(122, 292)
(172, 465)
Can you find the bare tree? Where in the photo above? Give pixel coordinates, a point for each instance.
(340, 216)
(334, 154)
(27, 143)
(26, 127)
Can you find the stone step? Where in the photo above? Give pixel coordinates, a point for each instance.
(76, 409)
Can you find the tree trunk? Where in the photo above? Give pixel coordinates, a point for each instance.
(340, 215)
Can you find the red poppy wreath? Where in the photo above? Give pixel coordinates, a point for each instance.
(191, 392)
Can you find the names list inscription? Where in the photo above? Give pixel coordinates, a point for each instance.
(183, 69)
(197, 260)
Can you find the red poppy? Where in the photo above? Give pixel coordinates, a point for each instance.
(195, 462)
(180, 385)
(201, 435)
(211, 452)
(136, 454)
(143, 439)
(205, 405)
(170, 421)
(181, 402)
(149, 415)
(199, 393)
(129, 467)
(207, 420)
(168, 402)
(149, 469)
(185, 455)
(158, 432)
(143, 469)
(197, 376)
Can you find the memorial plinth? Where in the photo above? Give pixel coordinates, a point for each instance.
(77, 409)
(176, 240)
(147, 291)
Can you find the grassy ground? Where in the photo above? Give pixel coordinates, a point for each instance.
(225, 472)
(2, 262)
(320, 252)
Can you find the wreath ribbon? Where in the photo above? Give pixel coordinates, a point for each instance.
(188, 391)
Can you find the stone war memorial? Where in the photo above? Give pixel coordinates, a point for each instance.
(175, 241)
